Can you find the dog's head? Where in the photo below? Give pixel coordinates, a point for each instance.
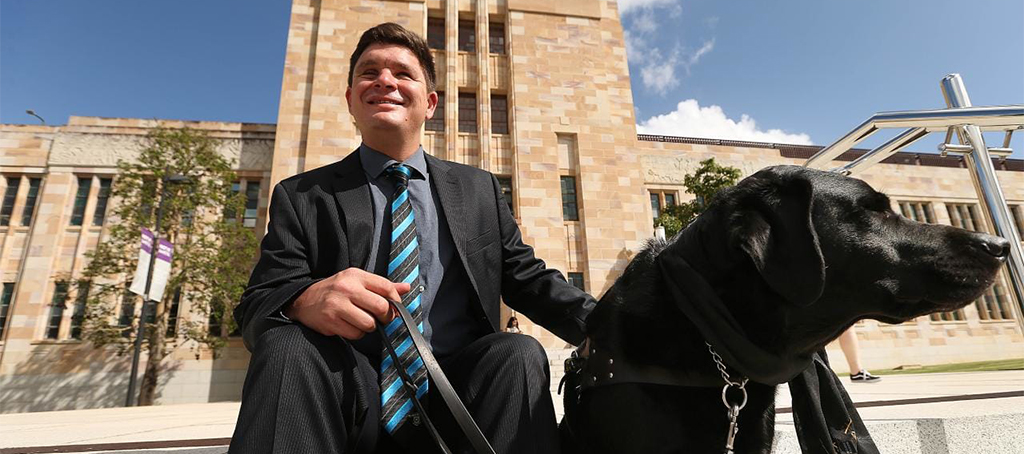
(832, 247)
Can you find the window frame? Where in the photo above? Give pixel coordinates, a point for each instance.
(78, 313)
(570, 208)
(58, 303)
(499, 116)
(103, 192)
(9, 199)
(577, 279)
(467, 105)
(433, 23)
(81, 201)
(662, 196)
(6, 302)
(173, 315)
(467, 29)
(126, 316)
(31, 200)
(250, 214)
(502, 46)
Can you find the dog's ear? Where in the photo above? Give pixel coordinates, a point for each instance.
(772, 225)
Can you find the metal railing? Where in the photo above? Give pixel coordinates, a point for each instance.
(967, 123)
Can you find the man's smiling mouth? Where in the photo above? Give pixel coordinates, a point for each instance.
(384, 101)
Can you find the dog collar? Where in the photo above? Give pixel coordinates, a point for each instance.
(697, 300)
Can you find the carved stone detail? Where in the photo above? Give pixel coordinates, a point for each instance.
(104, 150)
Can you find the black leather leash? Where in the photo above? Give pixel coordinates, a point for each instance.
(462, 417)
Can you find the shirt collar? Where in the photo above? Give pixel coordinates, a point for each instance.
(375, 162)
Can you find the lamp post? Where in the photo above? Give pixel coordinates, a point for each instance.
(33, 113)
(130, 398)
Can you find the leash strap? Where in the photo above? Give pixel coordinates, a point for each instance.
(462, 417)
(603, 368)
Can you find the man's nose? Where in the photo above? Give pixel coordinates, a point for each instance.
(385, 79)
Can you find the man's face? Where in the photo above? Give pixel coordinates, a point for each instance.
(388, 94)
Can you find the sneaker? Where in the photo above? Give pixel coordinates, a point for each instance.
(864, 376)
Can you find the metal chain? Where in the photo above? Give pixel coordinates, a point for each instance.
(732, 409)
(722, 370)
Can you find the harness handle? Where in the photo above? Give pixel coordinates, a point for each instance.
(462, 417)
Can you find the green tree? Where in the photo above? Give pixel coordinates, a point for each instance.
(703, 183)
(180, 174)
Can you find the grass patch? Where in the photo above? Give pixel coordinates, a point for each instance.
(980, 366)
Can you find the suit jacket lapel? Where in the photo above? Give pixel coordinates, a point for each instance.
(353, 195)
(451, 193)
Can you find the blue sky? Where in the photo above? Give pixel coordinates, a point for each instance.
(812, 69)
(797, 71)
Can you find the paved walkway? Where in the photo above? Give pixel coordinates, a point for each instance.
(993, 399)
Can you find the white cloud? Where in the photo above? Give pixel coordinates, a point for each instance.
(659, 73)
(708, 45)
(627, 6)
(711, 22)
(645, 22)
(691, 120)
(659, 70)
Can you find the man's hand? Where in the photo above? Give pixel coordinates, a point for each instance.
(584, 349)
(348, 304)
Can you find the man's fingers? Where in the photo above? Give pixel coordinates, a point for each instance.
(402, 288)
(355, 316)
(369, 292)
(373, 304)
(346, 330)
(384, 287)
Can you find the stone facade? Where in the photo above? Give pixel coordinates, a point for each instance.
(42, 365)
(567, 135)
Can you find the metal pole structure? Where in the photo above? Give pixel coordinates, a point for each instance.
(993, 118)
(983, 174)
(130, 398)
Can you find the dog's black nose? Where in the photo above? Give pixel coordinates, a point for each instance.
(993, 245)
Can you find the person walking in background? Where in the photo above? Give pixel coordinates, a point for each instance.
(848, 343)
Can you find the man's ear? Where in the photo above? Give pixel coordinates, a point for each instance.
(773, 226)
(432, 99)
(348, 97)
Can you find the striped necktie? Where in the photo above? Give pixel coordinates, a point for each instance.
(403, 266)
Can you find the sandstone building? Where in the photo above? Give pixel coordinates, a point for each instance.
(536, 92)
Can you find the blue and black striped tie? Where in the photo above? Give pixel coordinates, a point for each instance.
(403, 266)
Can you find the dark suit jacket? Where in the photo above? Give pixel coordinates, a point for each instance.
(321, 223)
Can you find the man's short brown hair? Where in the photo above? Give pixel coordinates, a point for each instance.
(392, 33)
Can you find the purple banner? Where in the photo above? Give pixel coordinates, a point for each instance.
(147, 240)
(165, 250)
(161, 269)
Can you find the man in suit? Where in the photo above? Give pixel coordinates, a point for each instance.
(390, 222)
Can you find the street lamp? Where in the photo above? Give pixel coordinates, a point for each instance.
(33, 113)
(130, 398)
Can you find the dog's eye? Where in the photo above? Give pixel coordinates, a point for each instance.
(877, 202)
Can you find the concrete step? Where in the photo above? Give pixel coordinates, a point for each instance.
(912, 414)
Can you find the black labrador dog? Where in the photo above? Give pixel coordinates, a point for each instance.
(795, 256)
